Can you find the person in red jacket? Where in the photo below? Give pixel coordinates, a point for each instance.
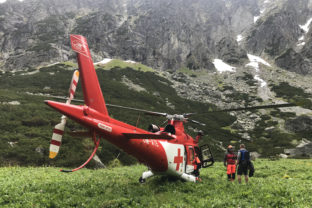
(230, 163)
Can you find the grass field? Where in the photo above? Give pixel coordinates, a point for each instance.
(123, 64)
(282, 183)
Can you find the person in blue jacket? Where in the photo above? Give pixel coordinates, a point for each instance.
(243, 161)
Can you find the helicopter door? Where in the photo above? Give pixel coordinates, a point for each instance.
(206, 156)
(190, 160)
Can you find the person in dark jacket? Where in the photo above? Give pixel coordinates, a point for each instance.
(251, 169)
(229, 162)
(243, 161)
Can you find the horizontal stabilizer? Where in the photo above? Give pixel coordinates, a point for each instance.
(149, 136)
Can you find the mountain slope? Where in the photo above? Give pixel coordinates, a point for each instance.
(282, 32)
(27, 123)
(162, 34)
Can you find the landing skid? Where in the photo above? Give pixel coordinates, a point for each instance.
(188, 177)
(145, 175)
(184, 176)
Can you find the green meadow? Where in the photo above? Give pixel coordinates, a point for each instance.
(280, 183)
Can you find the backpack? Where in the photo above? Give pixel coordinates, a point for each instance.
(244, 157)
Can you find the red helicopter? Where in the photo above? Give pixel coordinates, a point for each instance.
(165, 150)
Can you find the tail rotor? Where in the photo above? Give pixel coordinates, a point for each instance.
(58, 130)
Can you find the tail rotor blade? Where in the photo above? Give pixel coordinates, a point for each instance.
(73, 86)
(56, 140)
(58, 130)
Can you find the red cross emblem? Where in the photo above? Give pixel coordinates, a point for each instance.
(178, 159)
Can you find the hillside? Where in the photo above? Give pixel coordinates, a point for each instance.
(27, 123)
(283, 183)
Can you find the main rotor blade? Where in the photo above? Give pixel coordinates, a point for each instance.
(139, 110)
(114, 106)
(284, 105)
(196, 122)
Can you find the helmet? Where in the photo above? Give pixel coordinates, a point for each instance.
(230, 148)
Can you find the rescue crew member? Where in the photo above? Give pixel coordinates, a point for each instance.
(230, 163)
(197, 166)
(243, 160)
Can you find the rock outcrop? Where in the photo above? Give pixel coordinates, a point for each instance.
(282, 32)
(304, 149)
(162, 34)
(301, 124)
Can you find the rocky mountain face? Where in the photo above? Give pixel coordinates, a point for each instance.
(36, 32)
(282, 32)
(162, 34)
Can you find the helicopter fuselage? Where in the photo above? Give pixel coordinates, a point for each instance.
(167, 151)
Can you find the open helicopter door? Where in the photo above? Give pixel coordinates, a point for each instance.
(206, 156)
(190, 159)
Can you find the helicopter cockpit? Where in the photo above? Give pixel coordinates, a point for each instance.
(168, 128)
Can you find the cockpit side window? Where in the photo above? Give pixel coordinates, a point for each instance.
(191, 154)
(153, 128)
(170, 129)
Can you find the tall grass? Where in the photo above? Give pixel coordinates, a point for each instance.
(283, 183)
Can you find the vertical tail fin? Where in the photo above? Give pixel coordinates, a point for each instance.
(92, 92)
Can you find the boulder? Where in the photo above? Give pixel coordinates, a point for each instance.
(40, 150)
(304, 149)
(98, 162)
(300, 124)
(254, 155)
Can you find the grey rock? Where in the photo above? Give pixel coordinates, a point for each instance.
(269, 129)
(299, 124)
(299, 62)
(269, 36)
(254, 155)
(12, 144)
(229, 51)
(277, 34)
(304, 149)
(40, 150)
(98, 162)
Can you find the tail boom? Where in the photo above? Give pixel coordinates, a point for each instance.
(115, 134)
